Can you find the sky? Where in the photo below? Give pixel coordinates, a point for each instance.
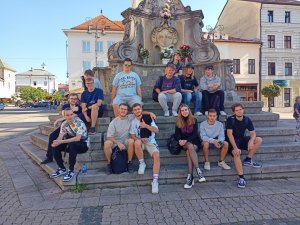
(31, 31)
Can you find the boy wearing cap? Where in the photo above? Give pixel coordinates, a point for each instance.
(211, 90)
(189, 86)
(169, 90)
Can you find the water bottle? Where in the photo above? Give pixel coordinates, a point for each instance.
(84, 169)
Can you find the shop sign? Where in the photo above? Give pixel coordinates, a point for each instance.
(282, 83)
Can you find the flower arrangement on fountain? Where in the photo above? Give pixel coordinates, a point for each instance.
(185, 52)
(144, 54)
(166, 12)
(165, 55)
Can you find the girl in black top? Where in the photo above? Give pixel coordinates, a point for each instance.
(186, 133)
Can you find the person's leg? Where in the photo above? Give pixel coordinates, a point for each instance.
(163, 101)
(186, 98)
(53, 136)
(205, 100)
(221, 95)
(57, 155)
(138, 148)
(108, 150)
(224, 151)
(198, 101)
(177, 97)
(257, 143)
(133, 99)
(190, 162)
(116, 110)
(115, 105)
(130, 149)
(94, 115)
(74, 149)
(205, 146)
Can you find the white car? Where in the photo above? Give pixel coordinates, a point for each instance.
(1, 105)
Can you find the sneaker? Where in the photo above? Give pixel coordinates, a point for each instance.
(224, 165)
(174, 113)
(207, 165)
(92, 130)
(166, 113)
(198, 114)
(251, 163)
(69, 176)
(109, 169)
(189, 182)
(59, 172)
(155, 187)
(130, 167)
(47, 160)
(222, 113)
(241, 183)
(142, 168)
(200, 176)
(206, 113)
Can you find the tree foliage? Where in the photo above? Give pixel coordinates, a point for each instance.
(32, 94)
(269, 92)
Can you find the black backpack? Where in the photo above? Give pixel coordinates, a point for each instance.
(154, 93)
(173, 145)
(119, 160)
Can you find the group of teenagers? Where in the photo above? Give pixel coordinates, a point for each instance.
(135, 132)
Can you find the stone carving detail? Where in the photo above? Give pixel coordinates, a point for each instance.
(229, 78)
(164, 36)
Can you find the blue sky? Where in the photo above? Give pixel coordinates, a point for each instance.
(31, 31)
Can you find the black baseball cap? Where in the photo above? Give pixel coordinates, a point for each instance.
(209, 67)
(170, 64)
(189, 65)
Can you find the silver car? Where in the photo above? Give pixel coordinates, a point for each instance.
(1, 105)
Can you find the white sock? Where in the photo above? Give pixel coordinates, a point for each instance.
(142, 161)
(155, 177)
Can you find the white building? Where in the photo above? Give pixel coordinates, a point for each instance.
(276, 23)
(88, 44)
(7, 80)
(38, 78)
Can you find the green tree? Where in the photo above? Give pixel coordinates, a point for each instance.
(269, 92)
(57, 96)
(32, 94)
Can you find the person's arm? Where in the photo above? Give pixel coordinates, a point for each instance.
(231, 139)
(203, 84)
(177, 135)
(58, 121)
(217, 83)
(113, 93)
(119, 144)
(179, 72)
(221, 135)
(203, 134)
(151, 114)
(186, 90)
(139, 91)
(73, 139)
(153, 128)
(171, 91)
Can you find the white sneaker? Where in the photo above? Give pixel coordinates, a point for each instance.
(154, 187)
(200, 175)
(142, 168)
(206, 113)
(166, 113)
(198, 114)
(223, 113)
(224, 165)
(174, 113)
(207, 165)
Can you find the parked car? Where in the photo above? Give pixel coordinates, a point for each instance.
(2, 105)
(26, 105)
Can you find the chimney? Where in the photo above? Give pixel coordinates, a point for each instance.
(43, 66)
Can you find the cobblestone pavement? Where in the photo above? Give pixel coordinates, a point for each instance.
(28, 196)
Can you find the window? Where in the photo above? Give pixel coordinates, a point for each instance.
(86, 46)
(287, 97)
(288, 69)
(271, 68)
(287, 41)
(270, 16)
(271, 41)
(86, 65)
(34, 83)
(110, 43)
(287, 18)
(251, 66)
(100, 64)
(99, 46)
(45, 83)
(236, 66)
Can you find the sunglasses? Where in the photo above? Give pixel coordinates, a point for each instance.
(127, 65)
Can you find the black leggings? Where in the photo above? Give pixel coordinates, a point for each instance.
(73, 149)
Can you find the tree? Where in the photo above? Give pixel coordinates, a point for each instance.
(32, 94)
(269, 92)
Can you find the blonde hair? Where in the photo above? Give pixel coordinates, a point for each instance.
(181, 122)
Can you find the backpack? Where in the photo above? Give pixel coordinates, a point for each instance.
(154, 93)
(173, 145)
(119, 160)
(144, 132)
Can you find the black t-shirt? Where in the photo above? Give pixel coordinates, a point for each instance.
(187, 83)
(65, 106)
(239, 127)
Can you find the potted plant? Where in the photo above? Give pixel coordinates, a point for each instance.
(185, 52)
(269, 92)
(165, 55)
(144, 54)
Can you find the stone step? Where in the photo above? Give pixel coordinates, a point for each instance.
(283, 168)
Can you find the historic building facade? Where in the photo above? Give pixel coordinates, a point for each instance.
(7, 80)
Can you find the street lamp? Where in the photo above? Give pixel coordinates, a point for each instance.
(211, 32)
(97, 35)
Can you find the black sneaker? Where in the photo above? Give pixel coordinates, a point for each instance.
(189, 182)
(108, 169)
(69, 176)
(47, 160)
(59, 172)
(92, 130)
(130, 167)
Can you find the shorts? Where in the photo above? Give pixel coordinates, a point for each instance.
(151, 148)
(241, 144)
(125, 142)
(89, 111)
(127, 100)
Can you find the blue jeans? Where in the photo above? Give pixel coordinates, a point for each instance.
(196, 97)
